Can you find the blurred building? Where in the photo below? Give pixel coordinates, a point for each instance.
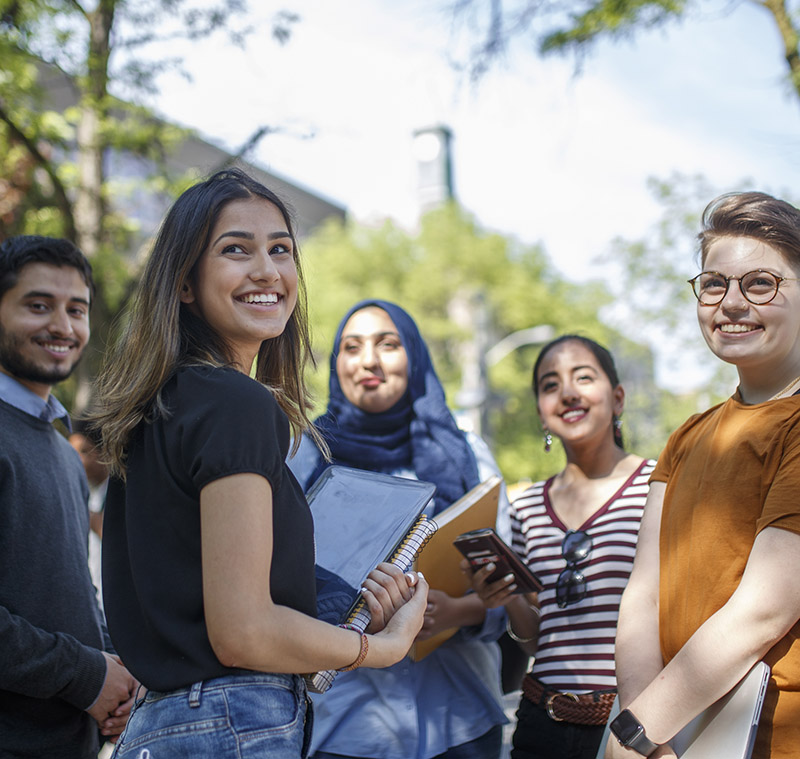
(146, 207)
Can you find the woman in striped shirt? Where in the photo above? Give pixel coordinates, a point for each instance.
(577, 531)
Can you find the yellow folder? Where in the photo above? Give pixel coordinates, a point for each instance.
(439, 561)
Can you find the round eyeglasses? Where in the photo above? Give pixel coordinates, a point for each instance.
(571, 583)
(758, 287)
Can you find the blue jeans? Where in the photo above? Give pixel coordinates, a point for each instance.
(248, 716)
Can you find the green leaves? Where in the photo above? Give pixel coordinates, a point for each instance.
(442, 274)
(574, 26)
(61, 64)
(611, 18)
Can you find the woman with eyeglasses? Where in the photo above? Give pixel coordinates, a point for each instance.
(715, 586)
(577, 531)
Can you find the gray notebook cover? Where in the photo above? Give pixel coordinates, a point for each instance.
(360, 520)
(727, 729)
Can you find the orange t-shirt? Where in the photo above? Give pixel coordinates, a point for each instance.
(729, 473)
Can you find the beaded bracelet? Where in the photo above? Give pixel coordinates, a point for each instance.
(362, 654)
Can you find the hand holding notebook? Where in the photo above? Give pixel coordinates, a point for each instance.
(361, 519)
(385, 590)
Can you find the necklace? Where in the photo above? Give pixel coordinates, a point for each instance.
(790, 389)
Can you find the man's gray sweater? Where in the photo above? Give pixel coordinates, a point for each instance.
(51, 640)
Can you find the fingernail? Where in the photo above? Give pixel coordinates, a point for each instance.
(490, 567)
(419, 574)
(364, 590)
(509, 578)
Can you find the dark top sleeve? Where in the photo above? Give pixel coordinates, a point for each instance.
(224, 423)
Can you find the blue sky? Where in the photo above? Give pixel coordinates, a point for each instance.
(532, 139)
(541, 153)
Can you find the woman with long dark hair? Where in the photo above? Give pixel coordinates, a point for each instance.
(208, 561)
(577, 531)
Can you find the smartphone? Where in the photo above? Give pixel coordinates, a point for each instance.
(484, 546)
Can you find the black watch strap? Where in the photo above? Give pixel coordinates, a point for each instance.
(630, 733)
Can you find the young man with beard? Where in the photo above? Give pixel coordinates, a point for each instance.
(58, 687)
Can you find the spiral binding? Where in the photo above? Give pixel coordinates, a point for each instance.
(403, 558)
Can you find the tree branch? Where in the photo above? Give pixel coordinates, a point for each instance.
(251, 143)
(79, 8)
(62, 201)
(790, 35)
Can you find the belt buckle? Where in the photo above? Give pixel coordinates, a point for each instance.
(549, 704)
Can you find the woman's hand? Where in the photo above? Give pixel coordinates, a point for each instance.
(494, 594)
(385, 590)
(445, 612)
(392, 643)
(523, 608)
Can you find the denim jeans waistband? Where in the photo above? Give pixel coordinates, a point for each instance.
(247, 679)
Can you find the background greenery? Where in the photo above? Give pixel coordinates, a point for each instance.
(56, 177)
(451, 260)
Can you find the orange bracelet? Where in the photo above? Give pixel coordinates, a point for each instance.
(362, 654)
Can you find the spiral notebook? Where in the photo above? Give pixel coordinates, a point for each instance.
(361, 519)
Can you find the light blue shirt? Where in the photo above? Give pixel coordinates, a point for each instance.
(15, 394)
(415, 710)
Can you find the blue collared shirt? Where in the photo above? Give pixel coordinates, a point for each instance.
(14, 393)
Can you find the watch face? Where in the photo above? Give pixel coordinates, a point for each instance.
(626, 727)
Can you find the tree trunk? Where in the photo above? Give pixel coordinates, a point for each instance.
(90, 207)
(89, 201)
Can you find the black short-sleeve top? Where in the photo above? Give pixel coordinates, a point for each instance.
(220, 423)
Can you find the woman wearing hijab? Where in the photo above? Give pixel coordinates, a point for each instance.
(387, 413)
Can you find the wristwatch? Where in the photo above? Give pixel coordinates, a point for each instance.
(630, 733)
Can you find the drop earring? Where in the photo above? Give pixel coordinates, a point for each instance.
(617, 425)
(548, 440)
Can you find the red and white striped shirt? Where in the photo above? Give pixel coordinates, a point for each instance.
(576, 643)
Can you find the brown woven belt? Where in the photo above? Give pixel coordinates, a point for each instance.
(581, 709)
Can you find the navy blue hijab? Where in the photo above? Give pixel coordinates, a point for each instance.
(418, 432)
